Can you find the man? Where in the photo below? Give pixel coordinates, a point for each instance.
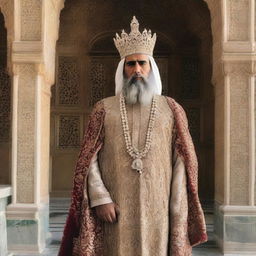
(135, 185)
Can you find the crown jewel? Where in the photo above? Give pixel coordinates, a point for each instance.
(135, 42)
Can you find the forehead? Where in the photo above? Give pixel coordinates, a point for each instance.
(136, 57)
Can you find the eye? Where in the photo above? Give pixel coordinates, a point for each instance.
(142, 62)
(131, 63)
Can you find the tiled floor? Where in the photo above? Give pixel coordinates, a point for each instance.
(58, 214)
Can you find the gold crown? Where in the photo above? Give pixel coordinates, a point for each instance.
(135, 42)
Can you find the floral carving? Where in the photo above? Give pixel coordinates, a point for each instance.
(68, 81)
(69, 131)
(97, 81)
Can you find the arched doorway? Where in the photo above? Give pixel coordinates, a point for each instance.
(86, 62)
(5, 109)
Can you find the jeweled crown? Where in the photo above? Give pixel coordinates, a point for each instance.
(135, 42)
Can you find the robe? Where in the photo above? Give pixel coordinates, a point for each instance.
(148, 224)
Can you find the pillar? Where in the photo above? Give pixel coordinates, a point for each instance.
(235, 210)
(33, 70)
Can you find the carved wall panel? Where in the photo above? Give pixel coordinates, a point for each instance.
(238, 20)
(69, 131)
(239, 140)
(97, 78)
(5, 106)
(26, 133)
(190, 78)
(31, 15)
(68, 81)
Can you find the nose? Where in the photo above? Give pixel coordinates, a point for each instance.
(137, 68)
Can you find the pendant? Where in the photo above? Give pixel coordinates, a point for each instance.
(137, 165)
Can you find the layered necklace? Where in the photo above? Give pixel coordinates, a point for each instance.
(135, 153)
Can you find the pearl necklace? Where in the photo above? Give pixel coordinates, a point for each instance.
(135, 153)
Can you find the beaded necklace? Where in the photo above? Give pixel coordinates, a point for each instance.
(135, 153)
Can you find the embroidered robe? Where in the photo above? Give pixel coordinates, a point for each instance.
(148, 224)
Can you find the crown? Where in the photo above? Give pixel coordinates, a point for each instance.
(135, 42)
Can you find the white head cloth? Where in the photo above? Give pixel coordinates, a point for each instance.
(154, 76)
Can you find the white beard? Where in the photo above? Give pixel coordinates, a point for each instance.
(138, 91)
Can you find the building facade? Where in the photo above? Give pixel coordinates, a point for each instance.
(57, 59)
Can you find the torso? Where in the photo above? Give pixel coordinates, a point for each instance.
(143, 224)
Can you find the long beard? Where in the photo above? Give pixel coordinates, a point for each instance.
(138, 90)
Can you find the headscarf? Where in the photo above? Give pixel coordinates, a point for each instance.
(154, 76)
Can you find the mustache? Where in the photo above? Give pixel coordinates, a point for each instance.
(133, 79)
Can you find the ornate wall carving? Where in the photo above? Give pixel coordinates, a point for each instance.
(238, 20)
(31, 20)
(97, 78)
(68, 81)
(5, 106)
(239, 139)
(26, 133)
(69, 131)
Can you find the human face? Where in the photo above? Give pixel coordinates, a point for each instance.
(136, 64)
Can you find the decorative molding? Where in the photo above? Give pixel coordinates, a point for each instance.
(25, 51)
(237, 210)
(239, 67)
(5, 191)
(22, 212)
(31, 20)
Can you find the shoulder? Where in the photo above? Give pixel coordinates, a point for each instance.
(110, 99)
(177, 110)
(101, 106)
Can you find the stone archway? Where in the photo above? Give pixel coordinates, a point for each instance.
(87, 57)
(233, 30)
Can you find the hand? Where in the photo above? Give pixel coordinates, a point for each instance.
(107, 212)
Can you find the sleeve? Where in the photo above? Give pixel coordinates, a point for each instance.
(97, 192)
(179, 188)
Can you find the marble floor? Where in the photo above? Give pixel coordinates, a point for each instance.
(58, 214)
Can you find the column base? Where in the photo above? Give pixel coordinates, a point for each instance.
(235, 229)
(5, 192)
(27, 228)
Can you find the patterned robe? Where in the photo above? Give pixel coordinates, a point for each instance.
(148, 224)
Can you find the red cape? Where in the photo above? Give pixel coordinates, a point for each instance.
(83, 233)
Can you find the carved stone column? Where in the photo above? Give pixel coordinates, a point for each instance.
(33, 61)
(235, 210)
